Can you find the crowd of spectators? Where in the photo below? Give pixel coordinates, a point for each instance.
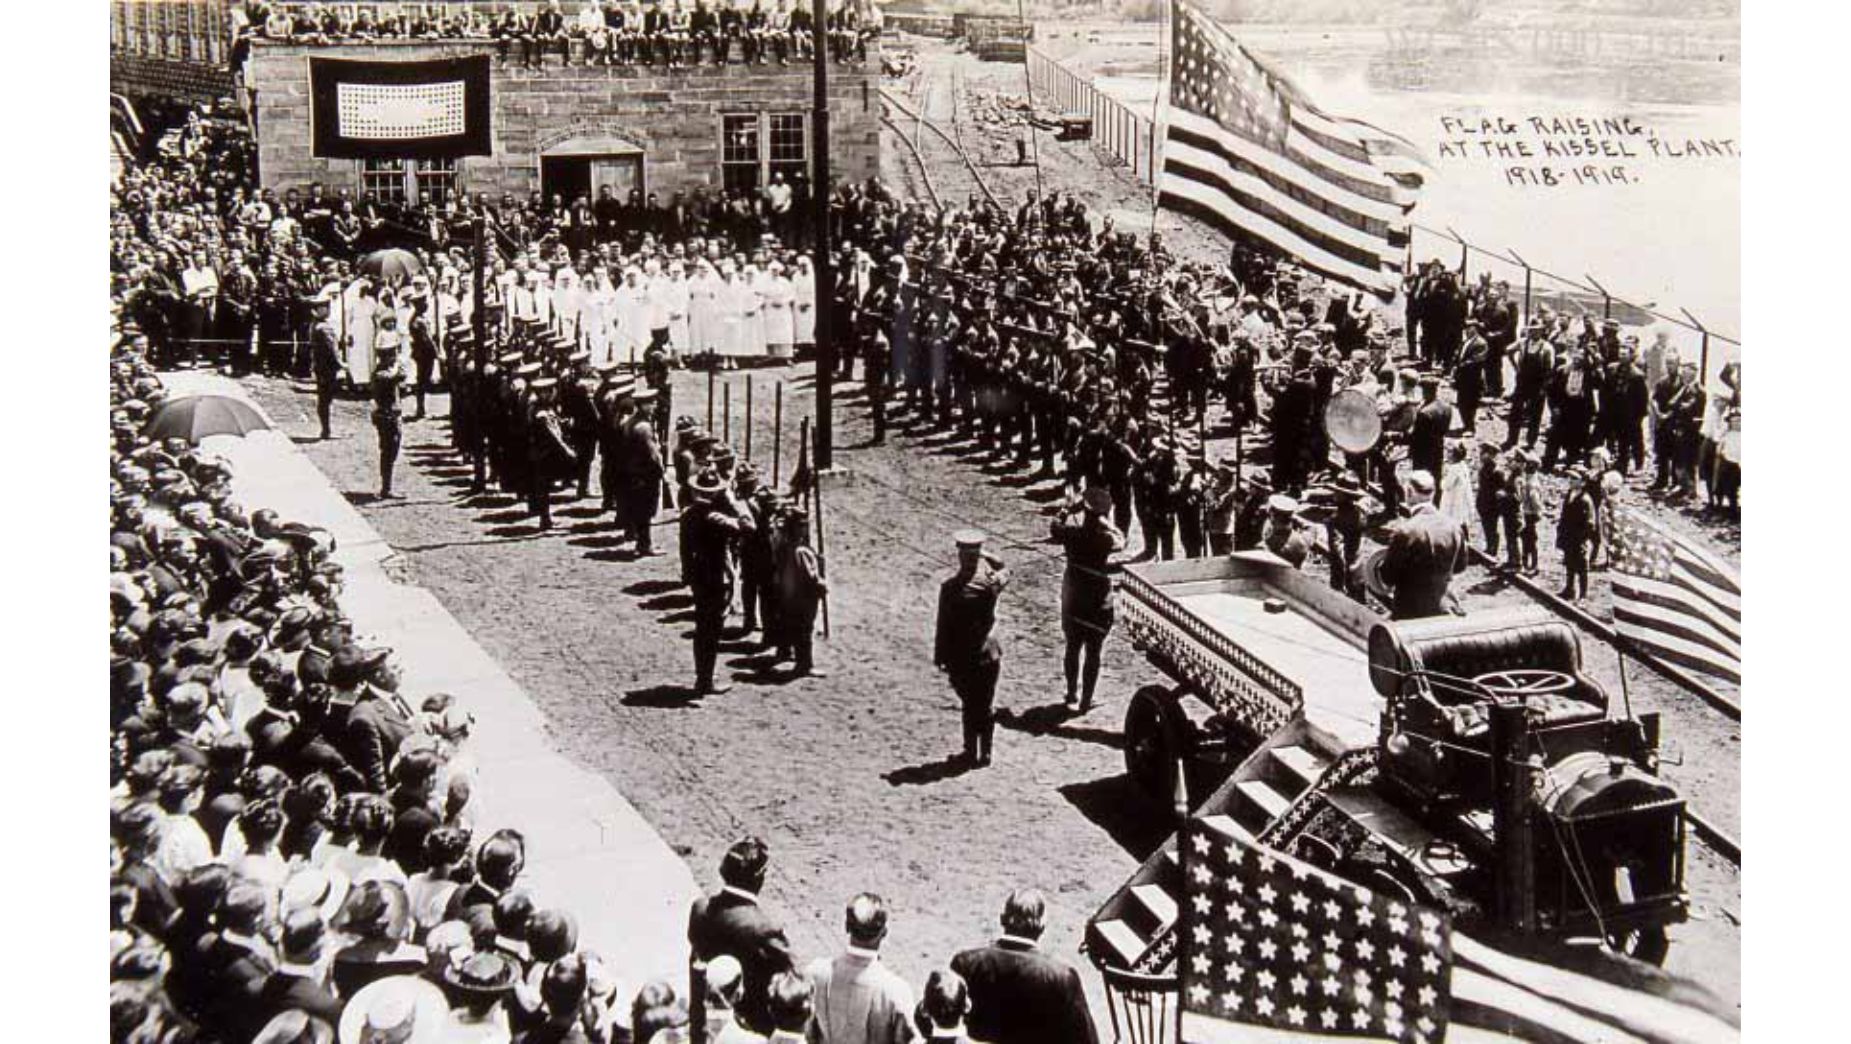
(296, 854)
(595, 32)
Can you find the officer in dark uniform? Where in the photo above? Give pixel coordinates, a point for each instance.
(612, 402)
(656, 371)
(640, 473)
(549, 456)
(577, 403)
(877, 359)
(388, 384)
(324, 349)
(965, 645)
(756, 555)
(1250, 517)
(1086, 531)
(709, 528)
(1156, 514)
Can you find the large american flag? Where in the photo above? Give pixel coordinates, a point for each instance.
(1273, 949)
(1675, 599)
(1246, 152)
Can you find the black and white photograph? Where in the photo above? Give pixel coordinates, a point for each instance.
(891, 521)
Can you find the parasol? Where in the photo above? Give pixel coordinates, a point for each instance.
(391, 262)
(196, 417)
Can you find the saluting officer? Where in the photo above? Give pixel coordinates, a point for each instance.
(709, 526)
(1085, 529)
(576, 402)
(965, 645)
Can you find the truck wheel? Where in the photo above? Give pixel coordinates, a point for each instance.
(1155, 737)
(1643, 944)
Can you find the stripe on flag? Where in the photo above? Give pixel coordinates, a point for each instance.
(1247, 152)
(1272, 950)
(1675, 599)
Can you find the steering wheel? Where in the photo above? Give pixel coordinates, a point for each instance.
(1525, 683)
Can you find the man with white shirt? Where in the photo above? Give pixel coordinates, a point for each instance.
(855, 998)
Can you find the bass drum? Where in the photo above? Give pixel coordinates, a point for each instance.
(1351, 421)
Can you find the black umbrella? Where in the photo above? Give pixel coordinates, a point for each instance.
(390, 262)
(196, 417)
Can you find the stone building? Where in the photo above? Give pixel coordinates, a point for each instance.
(554, 129)
(575, 129)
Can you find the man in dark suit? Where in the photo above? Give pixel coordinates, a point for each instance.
(300, 981)
(1018, 995)
(1427, 440)
(235, 962)
(731, 922)
(370, 718)
(1424, 551)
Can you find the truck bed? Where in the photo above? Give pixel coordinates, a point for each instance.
(1317, 645)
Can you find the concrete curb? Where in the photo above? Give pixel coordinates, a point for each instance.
(589, 851)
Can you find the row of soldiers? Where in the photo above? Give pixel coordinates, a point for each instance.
(1029, 395)
(539, 416)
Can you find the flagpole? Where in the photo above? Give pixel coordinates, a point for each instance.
(1028, 82)
(1180, 799)
(1166, 26)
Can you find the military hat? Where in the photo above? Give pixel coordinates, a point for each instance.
(1347, 485)
(684, 423)
(583, 355)
(1281, 504)
(795, 515)
(528, 371)
(968, 538)
(541, 384)
(607, 368)
(701, 438)
(1429, 380)
(722, 454)
(706, 482)
(509, 358)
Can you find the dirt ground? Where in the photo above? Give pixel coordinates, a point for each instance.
(848, 777)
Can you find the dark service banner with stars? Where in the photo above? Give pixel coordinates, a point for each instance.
(400, 110)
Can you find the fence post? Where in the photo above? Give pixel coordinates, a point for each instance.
(1703, 357)
(748, 416)
(1526, 292)
(1606, 299)
(726, 413)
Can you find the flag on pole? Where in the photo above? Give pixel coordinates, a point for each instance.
(1274, 949)
(1674, 599)
(1246, 152)
(400, 110)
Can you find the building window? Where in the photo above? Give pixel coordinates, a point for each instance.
(790, 146)
(753, 147)
(740, 157)
(436, 179)
(403, 181)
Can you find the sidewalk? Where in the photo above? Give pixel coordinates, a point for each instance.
(589, 851)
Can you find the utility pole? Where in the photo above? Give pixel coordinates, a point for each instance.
(821, 262)
(478, 321)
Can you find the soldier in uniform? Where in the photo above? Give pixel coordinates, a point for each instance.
(324, 350)
(613, 405)
(656, 371)
(1191, 505)
(965, 645)
(877, 359)
(1156, 514)
(1084, 528)
(388, 384)
(1284, 536)
(757, 556)
(639, 473)
(1250, 517)
(709, 527)
(576, 401)
(798, 592)
(549, 456)
(1343, 533)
